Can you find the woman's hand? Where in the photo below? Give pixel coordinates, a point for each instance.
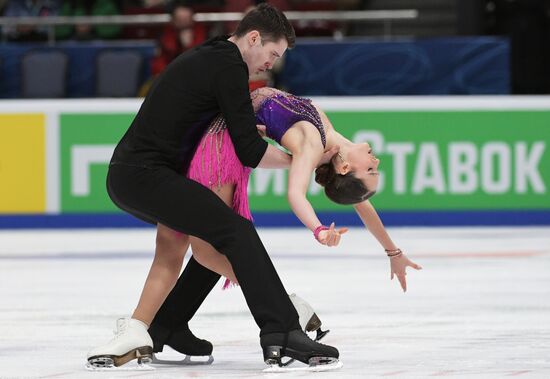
(331, 236)
(398, 266)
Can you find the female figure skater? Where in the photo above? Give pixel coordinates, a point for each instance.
(348, 172)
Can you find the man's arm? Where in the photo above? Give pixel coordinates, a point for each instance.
(275, 158)
(232, 94)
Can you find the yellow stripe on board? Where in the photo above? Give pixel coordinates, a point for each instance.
(22, 163)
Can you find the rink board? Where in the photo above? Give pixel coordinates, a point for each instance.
(444, 160)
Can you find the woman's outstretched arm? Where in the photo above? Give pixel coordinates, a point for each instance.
(372, 221)
(398, 261)
(303, 163)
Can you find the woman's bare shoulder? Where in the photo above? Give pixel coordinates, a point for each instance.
(303, 137)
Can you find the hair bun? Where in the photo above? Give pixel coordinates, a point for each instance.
(324, 174)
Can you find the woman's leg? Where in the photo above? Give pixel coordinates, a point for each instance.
(204, 253)
(170, 250)
(213, 260)
(171, 247)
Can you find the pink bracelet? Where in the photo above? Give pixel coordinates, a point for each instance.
(318, 230)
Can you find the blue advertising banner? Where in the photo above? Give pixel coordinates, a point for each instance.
(440, 66)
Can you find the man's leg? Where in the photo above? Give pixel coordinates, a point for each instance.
(170, 325)
(186, 206)
(195, 283)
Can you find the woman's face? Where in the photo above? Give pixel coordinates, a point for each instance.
(364, 164)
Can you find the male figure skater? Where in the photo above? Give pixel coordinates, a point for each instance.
(145, 177)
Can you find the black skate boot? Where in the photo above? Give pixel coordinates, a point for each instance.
(297, 345)
(183, 341)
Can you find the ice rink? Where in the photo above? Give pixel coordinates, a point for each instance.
(480, 308)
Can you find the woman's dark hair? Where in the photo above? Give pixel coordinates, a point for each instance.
(342, 189)
(270, 22)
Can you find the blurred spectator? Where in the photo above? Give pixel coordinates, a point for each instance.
(145, 3)
(138, 7)
(88, 8)
(135, 7)
(322, 27)
(178, 36)
(29, 8)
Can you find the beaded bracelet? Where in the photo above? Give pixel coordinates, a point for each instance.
(394, 253)
(318, 230)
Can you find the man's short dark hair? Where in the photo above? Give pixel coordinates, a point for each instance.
(270, 22)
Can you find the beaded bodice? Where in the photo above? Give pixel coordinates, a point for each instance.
(279, 110)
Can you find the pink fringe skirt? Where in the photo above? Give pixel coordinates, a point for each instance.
(215, 164)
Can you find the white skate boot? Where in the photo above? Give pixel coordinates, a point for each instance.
(131, 341)
(308, 319)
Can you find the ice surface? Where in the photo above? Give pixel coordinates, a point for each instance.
(479, 309)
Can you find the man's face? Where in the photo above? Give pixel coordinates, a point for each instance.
(262, 57)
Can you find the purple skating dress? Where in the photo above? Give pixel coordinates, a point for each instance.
(279, 110)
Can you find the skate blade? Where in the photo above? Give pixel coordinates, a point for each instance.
(127, 367)
(136, 359)
(189, 360)
(320, 335)
(314, 366)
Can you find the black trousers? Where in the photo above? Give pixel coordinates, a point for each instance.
(192, 287)
(161, 195)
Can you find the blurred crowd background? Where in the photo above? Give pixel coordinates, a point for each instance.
(449, 47)
(433, 85)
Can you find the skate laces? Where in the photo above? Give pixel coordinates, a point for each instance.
(317, 342)
(121, 326)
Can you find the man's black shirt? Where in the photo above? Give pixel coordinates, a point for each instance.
(201, 83)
